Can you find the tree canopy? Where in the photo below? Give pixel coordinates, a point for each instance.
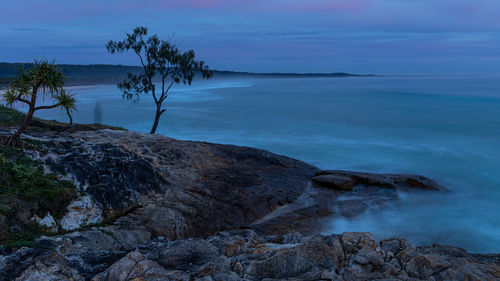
(162, 62)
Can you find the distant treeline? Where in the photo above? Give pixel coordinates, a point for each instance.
(94, 74)
(75, 74)
(224, 73)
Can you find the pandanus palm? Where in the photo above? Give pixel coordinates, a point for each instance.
(44, 79)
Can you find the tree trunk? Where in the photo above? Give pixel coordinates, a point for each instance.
(26, 122)
(15, 139)
(159, 112)
(70, 117)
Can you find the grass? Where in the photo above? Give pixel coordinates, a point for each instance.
(11, 118)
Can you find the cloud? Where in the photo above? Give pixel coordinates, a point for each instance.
(30, 29)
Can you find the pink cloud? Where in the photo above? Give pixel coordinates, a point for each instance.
(327, 6)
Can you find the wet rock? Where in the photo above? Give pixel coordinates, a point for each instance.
(352, 208)
(335, 181)
(346, 180)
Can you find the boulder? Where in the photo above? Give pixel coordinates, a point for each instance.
(134, 266)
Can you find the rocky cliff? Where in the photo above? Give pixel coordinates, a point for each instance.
(155, 208)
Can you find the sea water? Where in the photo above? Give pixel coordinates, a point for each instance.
(445, 128)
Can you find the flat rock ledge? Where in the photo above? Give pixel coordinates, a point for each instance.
(345, 180)
(245, 255)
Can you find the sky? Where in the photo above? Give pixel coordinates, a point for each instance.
(357, 36)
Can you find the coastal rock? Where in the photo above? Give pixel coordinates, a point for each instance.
(182, 210)
(51, 267)
(345, 180)
(246, 255)
(13, 262)
(313, 255)
(134, 266)
(173, 188)
(340, 182)
(48, 222)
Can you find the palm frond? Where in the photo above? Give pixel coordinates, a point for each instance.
(66, 100)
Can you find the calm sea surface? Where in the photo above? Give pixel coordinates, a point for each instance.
(446, 128)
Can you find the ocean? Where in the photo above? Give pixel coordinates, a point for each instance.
(446, 128)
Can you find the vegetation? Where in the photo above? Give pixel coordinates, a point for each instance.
(26, 191)
(10, 117)
(158, 58)
(42, 78)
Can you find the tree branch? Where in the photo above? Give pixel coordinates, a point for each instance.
(22, 100)
(146, 73)
(165, 93)
(47, 106)
(142, 61)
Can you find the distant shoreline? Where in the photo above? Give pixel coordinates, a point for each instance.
(104, 74)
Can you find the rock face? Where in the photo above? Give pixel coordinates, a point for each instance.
(158, 199)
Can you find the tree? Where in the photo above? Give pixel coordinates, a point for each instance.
(42, 78)
(160, 60)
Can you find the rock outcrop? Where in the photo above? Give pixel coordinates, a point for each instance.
(173, 188)
(155, 208)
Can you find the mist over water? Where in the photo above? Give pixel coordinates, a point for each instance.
(446, 128)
